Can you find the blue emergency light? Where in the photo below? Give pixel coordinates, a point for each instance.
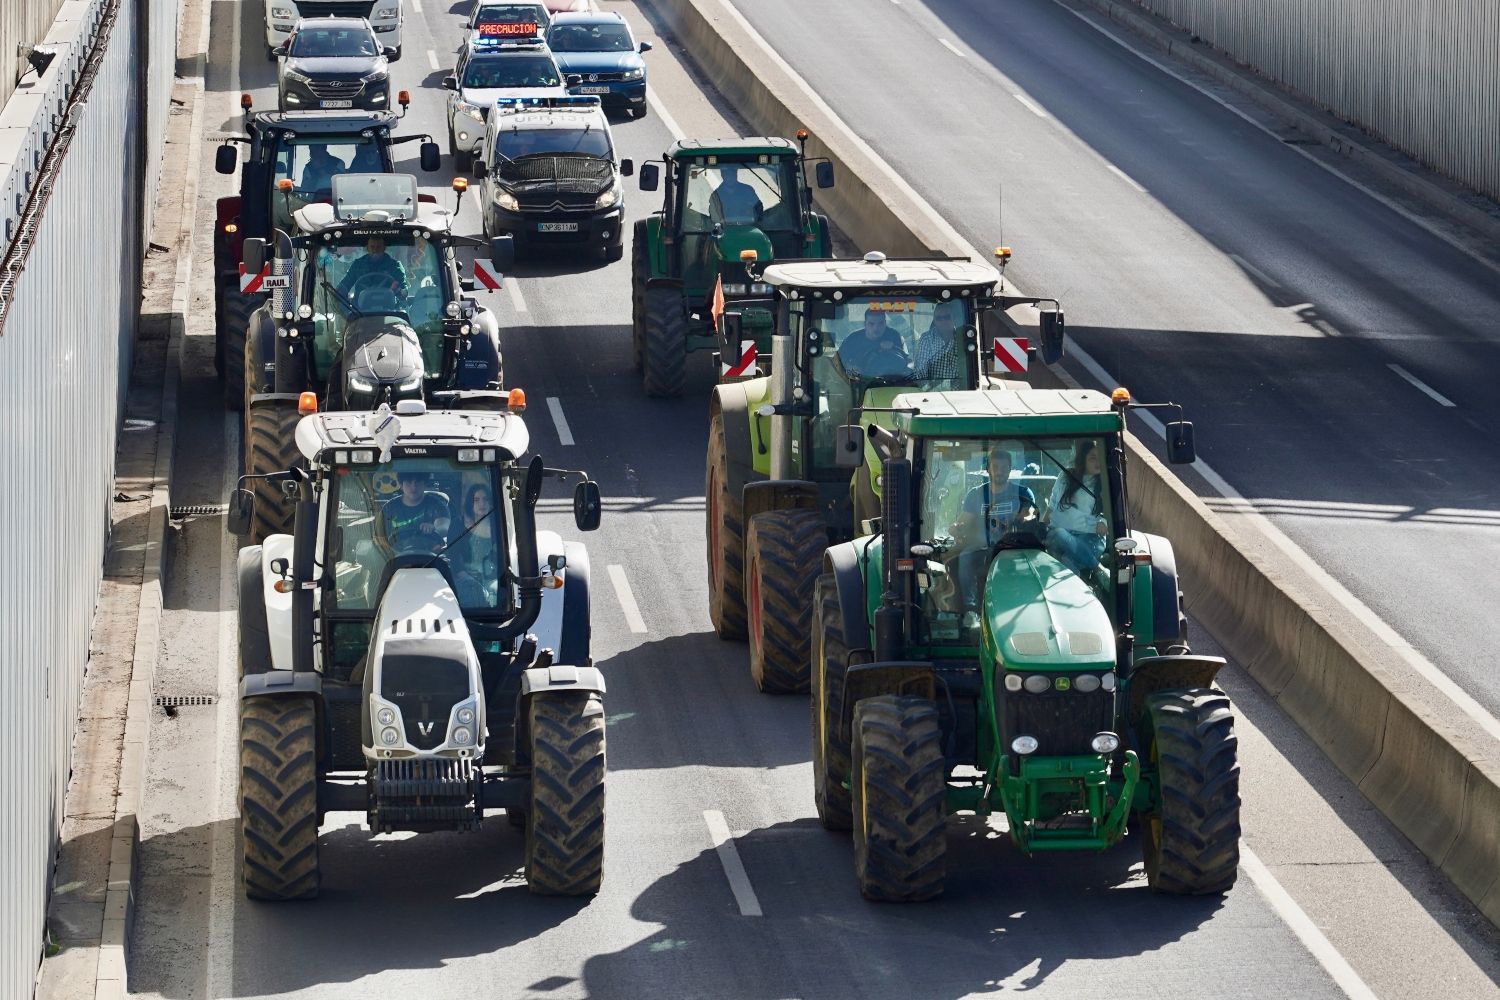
(568, 103)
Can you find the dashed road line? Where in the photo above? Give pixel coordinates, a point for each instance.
(1126, 177)
(518, 300)
(734, 868)
(432, 59)
(416, 6)
(627, 599)
(1030, 105)
(1255, 272)
(951, 47)
(1423, 386)
(564, 434)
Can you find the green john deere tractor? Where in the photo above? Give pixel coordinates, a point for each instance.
(1007, 643)
(724, 200)
(847, 333)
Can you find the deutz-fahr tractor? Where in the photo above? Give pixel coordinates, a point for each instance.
(1007, 643)
(722, 199)
(366, 307)
(848, 333)
(416, 650)
(290, 160)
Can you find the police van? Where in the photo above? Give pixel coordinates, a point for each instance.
(550, 176)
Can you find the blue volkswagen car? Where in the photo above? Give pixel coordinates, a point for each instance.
(599, 57)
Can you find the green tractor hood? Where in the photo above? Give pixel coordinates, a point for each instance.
(731, 242)
(1039, 615)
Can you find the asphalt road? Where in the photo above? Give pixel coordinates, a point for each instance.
(693, 750)
(1204, 261)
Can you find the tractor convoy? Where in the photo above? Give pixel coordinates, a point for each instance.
(940, 555)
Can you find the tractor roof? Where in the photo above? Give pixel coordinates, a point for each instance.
(875, 271)
(315, 123)
(319, 216)
(505, 432)
(1006, 413)
(733, 148)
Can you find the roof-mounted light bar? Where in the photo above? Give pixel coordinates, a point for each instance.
(517, 105)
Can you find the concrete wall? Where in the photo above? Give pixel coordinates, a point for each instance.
(1424, 77)
(66, 330)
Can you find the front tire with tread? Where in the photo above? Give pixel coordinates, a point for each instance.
(234, 325)
(565, 828)
(899, 786)
(725, 515)
(1191, 843)
(279, 797)
(783, 551)
(830, 753)
(664, 344)
(270, 446)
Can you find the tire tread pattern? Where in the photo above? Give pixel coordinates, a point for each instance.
(270, 446)
(726, 578)
(900, 834)
(784, 549)
(565, 829)
(1199, 780)
(664, 361)
(234, 324)
(279, 797)
(830, 754)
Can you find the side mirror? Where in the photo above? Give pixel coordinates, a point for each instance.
(391, 53)
(1180, 449)
(450, 83)
(650, 176)
(644, 47)
(627, 167)
(226, 158)
(280, 50)
(241, 507)
(849, 446)
(823, 173)
(587, 505)
(531, 489)
(254, 254)
(503, 253)
(1052, 329)
(481, 169)
(432, 157)
(573, 79)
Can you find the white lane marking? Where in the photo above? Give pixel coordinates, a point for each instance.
(432, 59)
(1257, 273)
(554, 406)
(513, 286)
(1307, 932)
(1409, 216)
(1423, 386)
(654, 99)
(416, 5)
(627, 599)
(1126, 177)
(951, 47)
(734, 869)
(223, 892)
(1031, 105)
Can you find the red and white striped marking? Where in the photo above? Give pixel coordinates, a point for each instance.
(1010, 354)
(487, 274)
(744, 366)
(252, 283)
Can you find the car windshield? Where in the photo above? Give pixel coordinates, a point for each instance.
(434, 506)
(518, 142)
(608, 36)
(399, 275)
(310, 163)
(322, 42)
(495, 72)
(731, 193)
(981, 496)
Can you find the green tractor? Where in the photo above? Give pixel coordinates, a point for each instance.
(1005, 642)
(848, 334)
(724, 202)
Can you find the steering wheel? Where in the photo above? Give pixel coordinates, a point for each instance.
(392, 283)
(1019, 539)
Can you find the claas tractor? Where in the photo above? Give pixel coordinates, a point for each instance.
(416, 650)
(299, 151)
(847, 333)
(367, 306)
(1006, 642)
(721, 199)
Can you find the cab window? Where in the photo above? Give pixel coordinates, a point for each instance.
(399, 275)
(312, 163)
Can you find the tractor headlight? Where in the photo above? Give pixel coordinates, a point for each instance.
(466, 716)
(1012, 682)
(1086, 683)
(1105, 743)
(734, 289)
(760, 288)
(1038, 683)
(1024, 745)
(415, 382)
(507, 201)
(386, 717)
(1107, 682)
(360, 385)
(610, 197)
(463, 736)
(389, 736)
(633, 74)
(304, 311)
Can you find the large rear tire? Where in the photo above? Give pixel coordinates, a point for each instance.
(830, 753)
(279, 797)
(1191, 843)
(640, 267)
(565, 832)
(725, 514)
(664, 344)
(270, 446)
(234, 322)
(783, 551)
(900, 827)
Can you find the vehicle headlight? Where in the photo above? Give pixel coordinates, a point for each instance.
(463, 736)
(388, 15)
(1038, 683)
(610, 197)
(415, 382)
(1024, 745)
(375, 76)
(474, 112)
(386, 717)
(760, 288)
(734, 289)
(506, 200)
(1107, 681)
(1086, 683)
(466, 716)
(292, 74)
(389, 736)
(1105, 743)
(632, 74)
(282, 14)
(360, 385)
(1012, 682)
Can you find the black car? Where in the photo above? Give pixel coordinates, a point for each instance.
(334, 62)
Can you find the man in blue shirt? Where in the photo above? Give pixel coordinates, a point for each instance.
(990, 509)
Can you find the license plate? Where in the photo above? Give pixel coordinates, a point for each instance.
(335, 104)
(557, 227)
(593, 90)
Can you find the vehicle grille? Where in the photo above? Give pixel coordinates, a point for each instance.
(602, 77)
(335, 8)
(420, 794)
(1063, 722)
(333, 89)
(553, 200)
(425, 688)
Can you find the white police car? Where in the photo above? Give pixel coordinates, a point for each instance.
(492, 65)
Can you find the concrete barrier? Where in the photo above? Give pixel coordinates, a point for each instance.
(1416, 755)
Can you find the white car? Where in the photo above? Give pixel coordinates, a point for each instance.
(385, 16)
(488, 70)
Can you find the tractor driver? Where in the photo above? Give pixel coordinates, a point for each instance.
(321, 166)
(874, 351)
(374, 264)
(415, 520)
(734, 202)
(989, 510)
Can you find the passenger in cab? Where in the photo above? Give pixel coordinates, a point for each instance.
(473, 557)
(939, 353)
